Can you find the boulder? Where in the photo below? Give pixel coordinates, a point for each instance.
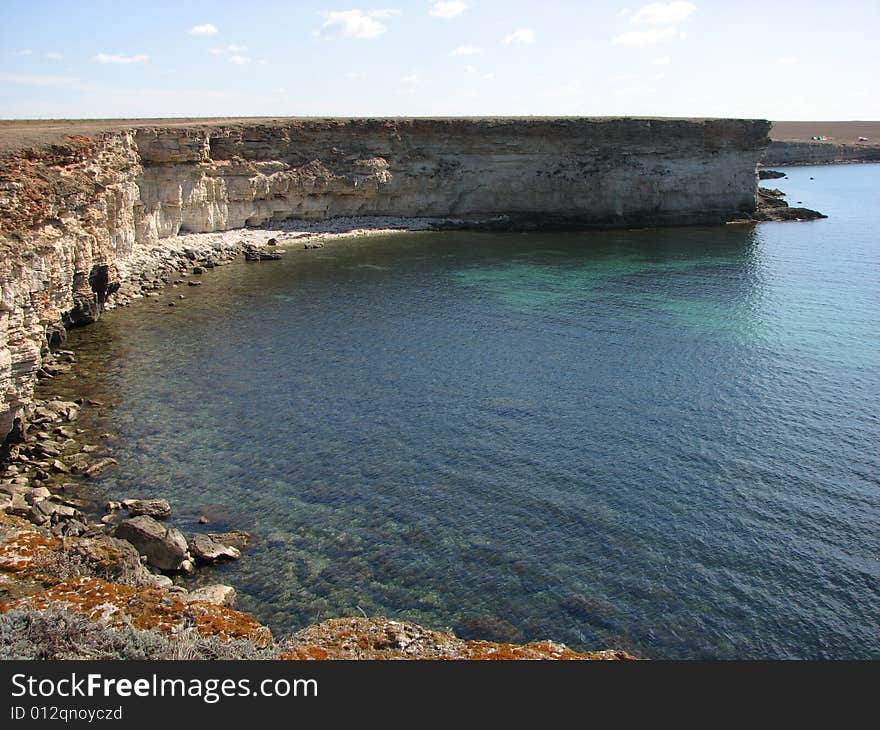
(86, 310)
(165, 547)
(254, 254)
(161, 581)
(39, 494)
(158, 509)
(216, 593)
(71, 528)
(209, 551)
(111, 559)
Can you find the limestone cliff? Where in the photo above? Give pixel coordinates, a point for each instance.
(793, 152)
(611, 172)
(80, 219)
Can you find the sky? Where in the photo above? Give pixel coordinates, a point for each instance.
(776, 60)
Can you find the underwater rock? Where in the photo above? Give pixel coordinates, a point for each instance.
(158, 509)
(207, 550)
(217, 593)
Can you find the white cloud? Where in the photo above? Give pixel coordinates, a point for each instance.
(640, 38)
(24, 52)
(448, 9)
(662, 61)
(465, 51)
(119, 58)
(240, 60)
(487, 77)
(412, 82)
(470, 69)
(203, 30)
(54, 56)
(356, 23)
(522, 35)
(34, 80)
(355, 75)
(664, 13)
(231, 48)
(787, 61)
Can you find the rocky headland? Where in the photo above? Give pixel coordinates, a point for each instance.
(94, 222)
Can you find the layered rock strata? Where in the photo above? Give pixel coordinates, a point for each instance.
(818, 153)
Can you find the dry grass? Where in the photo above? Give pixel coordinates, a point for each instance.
(839, 132)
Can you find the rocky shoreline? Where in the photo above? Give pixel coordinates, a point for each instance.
(85, 584)
(142, 212)
(57, 550)
(772, 207)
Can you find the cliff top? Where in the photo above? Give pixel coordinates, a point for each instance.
(838, 132)
(18, 134)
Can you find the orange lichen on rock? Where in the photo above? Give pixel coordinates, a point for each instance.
(22, 544)
(146, 609)
(381, 638)
(25, 548)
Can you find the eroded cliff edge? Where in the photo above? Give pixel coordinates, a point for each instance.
(81, 219)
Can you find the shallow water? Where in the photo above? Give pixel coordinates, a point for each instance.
(663, 439)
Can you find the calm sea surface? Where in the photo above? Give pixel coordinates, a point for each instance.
(666, 440)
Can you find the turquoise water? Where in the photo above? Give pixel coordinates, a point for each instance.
(662, 440)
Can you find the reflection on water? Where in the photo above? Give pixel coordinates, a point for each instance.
(663, 440)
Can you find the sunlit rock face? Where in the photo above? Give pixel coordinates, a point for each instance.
(608, 172)
(80, 220)
(785, 152)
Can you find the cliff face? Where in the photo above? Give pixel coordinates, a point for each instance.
(589, 171)
(818, 153)
(80, 219)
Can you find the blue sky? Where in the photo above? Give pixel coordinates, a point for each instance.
(778, 60)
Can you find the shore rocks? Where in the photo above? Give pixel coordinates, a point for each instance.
(772, 207)
(100, 466)
(158, 509)
(112, 559)
(770, 174)
(165, 547)
(255, 254)
(210, 551)
(381, 638)
(216, 593)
